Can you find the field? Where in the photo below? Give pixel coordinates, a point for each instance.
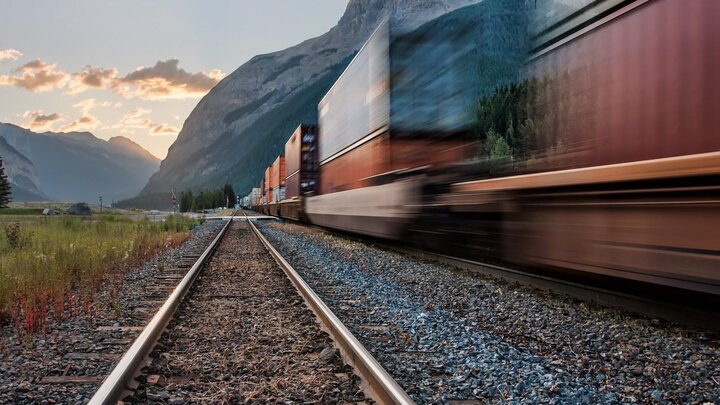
(53, 267)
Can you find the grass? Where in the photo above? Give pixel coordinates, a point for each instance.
(21, 211)
(53, 267)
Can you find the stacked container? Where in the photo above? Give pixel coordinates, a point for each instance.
(278, 173)
(404, 102)
(301, 162)
(255, 196)
(267, 188)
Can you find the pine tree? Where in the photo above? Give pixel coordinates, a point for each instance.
(229, 195)
(4, 187)
(183, 201)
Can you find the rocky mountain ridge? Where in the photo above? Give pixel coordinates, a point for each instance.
(73, 166)
(21, 173)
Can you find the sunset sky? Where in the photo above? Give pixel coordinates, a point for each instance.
(136, 68)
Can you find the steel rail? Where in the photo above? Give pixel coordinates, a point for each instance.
(383, 388)
(119, 381)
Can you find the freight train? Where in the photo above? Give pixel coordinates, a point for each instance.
(579, 136)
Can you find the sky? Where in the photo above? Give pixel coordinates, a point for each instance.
(136, 68)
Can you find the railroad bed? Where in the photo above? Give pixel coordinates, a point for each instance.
(244, 334)
(448, 335)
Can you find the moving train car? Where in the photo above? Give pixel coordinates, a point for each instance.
(598, 154)
(301, 167)
(381, 119)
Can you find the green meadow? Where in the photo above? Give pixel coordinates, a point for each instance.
(54, 267)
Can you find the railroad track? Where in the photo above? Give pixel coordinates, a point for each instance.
(203, 348)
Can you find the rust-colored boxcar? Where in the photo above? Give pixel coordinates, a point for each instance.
(364, 165)
(627, 154)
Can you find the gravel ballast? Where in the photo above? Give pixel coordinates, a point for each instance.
(88, 347)
(449, 335)
(244, 335)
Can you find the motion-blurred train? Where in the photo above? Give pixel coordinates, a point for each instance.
(580, 136)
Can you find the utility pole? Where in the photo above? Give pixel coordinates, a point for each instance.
(101, 204)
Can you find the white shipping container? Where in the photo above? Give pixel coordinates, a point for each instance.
(358, 103)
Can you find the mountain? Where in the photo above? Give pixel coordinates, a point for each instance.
(21, 173)
(77, 166)
(131, 148)
(244, 121)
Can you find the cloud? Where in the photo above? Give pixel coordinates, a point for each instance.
(40, 121)
(36, 76)
(91, 78)
(136, 119)
(84, 123)
(87, 122)
(164, 129)
(9, 55)
(166, 80)
(89, 104)
(36, 64)
(86, 105)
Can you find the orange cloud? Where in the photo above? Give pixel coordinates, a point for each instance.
(9, 55)
(91, 78)
(164, 129)
(87, 122)
(36, 76)
(166, 80)
(136, 119)
(84, 123)
(40, 121)
(89, 104)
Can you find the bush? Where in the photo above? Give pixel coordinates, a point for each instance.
(15, 236)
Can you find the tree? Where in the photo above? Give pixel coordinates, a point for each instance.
(206, 199)
(505, 121)
(5, 192)
(496, 147)
(186, 201)
(229, 195)
(218, 198)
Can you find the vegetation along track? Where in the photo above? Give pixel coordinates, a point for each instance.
(243, 334)
(68, 363)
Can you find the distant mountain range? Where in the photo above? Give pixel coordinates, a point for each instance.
(73, 166)
(245, 120)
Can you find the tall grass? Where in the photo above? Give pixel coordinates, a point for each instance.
(54, 267)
